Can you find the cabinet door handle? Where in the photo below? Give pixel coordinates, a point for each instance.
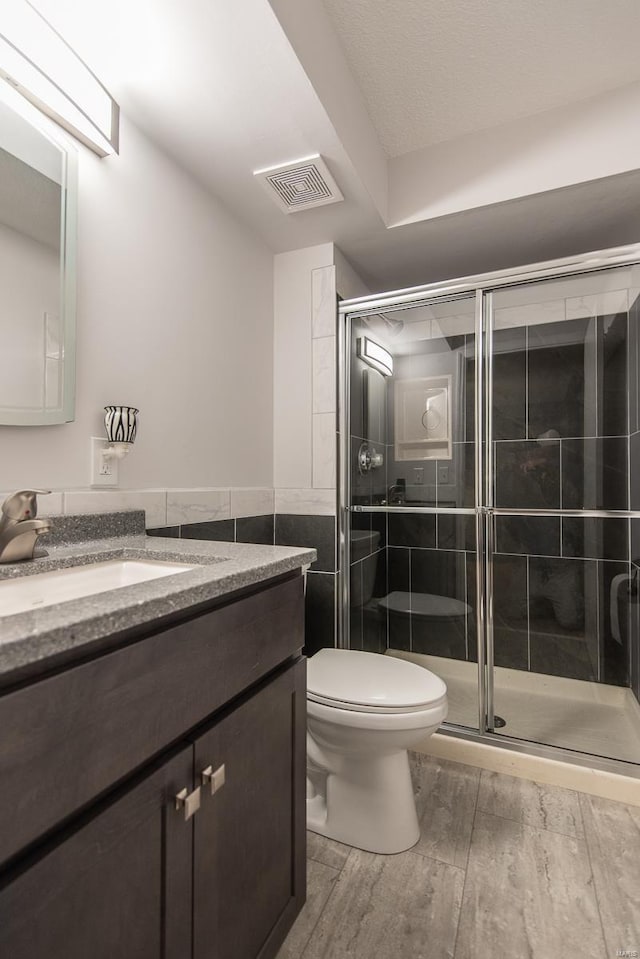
(189, 802)
(214, 779)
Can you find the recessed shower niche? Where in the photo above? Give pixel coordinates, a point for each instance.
(423, 418)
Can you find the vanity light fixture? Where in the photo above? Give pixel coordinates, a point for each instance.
(375, 355)
(42, 67)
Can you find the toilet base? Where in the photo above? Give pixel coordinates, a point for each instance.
(366, 803)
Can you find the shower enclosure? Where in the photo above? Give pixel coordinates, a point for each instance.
(490, 497)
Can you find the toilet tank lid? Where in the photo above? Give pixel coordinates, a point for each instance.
(371, 679)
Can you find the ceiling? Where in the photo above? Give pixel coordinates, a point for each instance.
(432, 70)
(226, 88)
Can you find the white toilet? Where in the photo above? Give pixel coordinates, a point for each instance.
(364, 711)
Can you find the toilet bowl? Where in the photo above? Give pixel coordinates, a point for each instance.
(364, 711)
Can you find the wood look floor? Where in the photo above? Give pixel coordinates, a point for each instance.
(505, 869)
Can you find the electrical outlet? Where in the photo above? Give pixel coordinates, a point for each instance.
(103, 472)
(418, 476)
(443, 474)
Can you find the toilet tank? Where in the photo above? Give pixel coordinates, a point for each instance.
(364, 544)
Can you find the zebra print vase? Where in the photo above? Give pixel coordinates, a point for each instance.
(120, 423)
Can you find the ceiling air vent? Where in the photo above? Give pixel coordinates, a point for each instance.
(300, 185)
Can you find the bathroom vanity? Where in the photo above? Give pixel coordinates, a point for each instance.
(152, 760)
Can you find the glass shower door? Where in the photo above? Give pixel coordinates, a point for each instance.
(562, 374)
(412, 491)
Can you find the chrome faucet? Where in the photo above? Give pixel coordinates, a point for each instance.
(19, 528)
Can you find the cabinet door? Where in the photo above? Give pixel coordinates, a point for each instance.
(117, 886)
(249, 836)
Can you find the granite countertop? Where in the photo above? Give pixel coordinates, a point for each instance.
(42, 638)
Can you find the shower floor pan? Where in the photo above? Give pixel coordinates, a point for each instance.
(587, 717)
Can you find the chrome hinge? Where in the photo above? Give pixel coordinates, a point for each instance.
(189, 802)
(215, 779)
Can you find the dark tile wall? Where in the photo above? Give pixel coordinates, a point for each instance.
(561, 416)
(246, 529)
(632, 596)
(567, 430)
(317, 532)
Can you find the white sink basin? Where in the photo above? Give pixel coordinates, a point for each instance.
(61, 585)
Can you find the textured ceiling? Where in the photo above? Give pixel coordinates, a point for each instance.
(432, 70)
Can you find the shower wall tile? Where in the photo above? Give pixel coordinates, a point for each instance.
(153, 502)
(634, 470)
(324, 450)
(509, 384)
(361, 483)
(595, 473)
(469, 392)
(472, 603)
(368, 523)
(634, 362)
(606, 303)
(510, 612)
(323, 301)
(635, 541)
(594, 538)
(318, 532)
(324, 374)
(255, 529)
(305, 502)
(633, 632)
(527, 474)
(374, 629)
(319, 612)
(398, 580)
(173, 532)
(412, 529)
(614, 581)
(355, 609)
(529, 314)
(197, 506)
(456, 532)
(222, 530)
(374, 406)
(442, 573)
(566, 656)
(562, 614)
(252, 502)
(612, 375)
(556, 377)
(528, 535)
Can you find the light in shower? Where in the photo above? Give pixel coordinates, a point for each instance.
(42, 67)
(375, 355)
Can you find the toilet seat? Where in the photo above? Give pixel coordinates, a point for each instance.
(355, 681)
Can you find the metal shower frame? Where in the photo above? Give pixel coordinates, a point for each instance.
(481, 286)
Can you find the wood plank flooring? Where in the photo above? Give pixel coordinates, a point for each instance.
(505, 869)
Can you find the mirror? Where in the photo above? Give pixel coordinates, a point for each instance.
(37, 274)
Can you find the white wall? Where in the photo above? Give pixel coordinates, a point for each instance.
(174, 316)
(292, 363)
(305, 375)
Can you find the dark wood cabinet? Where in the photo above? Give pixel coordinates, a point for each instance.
(249, 850)
(131, 876)
(119, 885)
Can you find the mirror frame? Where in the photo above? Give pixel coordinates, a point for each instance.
(69, 217)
